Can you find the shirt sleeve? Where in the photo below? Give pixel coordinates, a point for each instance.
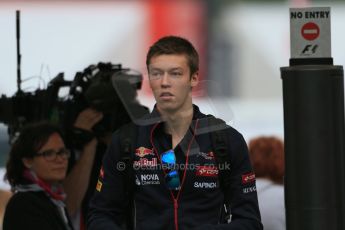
(107, 206)
(242, 193)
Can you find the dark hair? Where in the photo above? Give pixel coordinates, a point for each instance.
(267, 157)
(31, 139)
(174, 45)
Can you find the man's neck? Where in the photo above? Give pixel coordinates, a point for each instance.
(178, 123)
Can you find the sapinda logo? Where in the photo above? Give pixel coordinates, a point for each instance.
(205, 185)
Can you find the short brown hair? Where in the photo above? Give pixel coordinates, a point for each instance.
(267, 157)
(174, 45)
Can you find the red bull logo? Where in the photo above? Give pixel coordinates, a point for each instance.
(143, 162)
(142, 151)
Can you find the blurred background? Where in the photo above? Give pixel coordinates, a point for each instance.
(242, 44)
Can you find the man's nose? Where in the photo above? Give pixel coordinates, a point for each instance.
(165, 80)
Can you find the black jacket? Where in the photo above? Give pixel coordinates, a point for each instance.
(32, 210)
(199, 203)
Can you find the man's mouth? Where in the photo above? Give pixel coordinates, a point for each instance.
(166, 95)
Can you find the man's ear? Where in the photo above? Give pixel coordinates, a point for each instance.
(27, 162)
(194, 79)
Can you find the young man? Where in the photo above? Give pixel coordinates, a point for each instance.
(177, 183)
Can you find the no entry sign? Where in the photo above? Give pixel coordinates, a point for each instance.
(310, 32)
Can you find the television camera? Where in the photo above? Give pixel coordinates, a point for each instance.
(94, 87)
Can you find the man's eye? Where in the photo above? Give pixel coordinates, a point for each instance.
(155, 74)
(176, 74)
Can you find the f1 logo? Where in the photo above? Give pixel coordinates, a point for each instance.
(309, 49)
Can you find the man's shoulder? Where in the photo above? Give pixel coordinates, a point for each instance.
(216, 124)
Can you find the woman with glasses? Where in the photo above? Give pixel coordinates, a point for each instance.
(36, 166)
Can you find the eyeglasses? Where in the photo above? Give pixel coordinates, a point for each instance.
(172, 178)
(51, 154)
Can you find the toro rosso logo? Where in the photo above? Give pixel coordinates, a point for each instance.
(142, 151)
(209, 171)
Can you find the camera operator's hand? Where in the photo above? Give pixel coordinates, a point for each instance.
(87, 119)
